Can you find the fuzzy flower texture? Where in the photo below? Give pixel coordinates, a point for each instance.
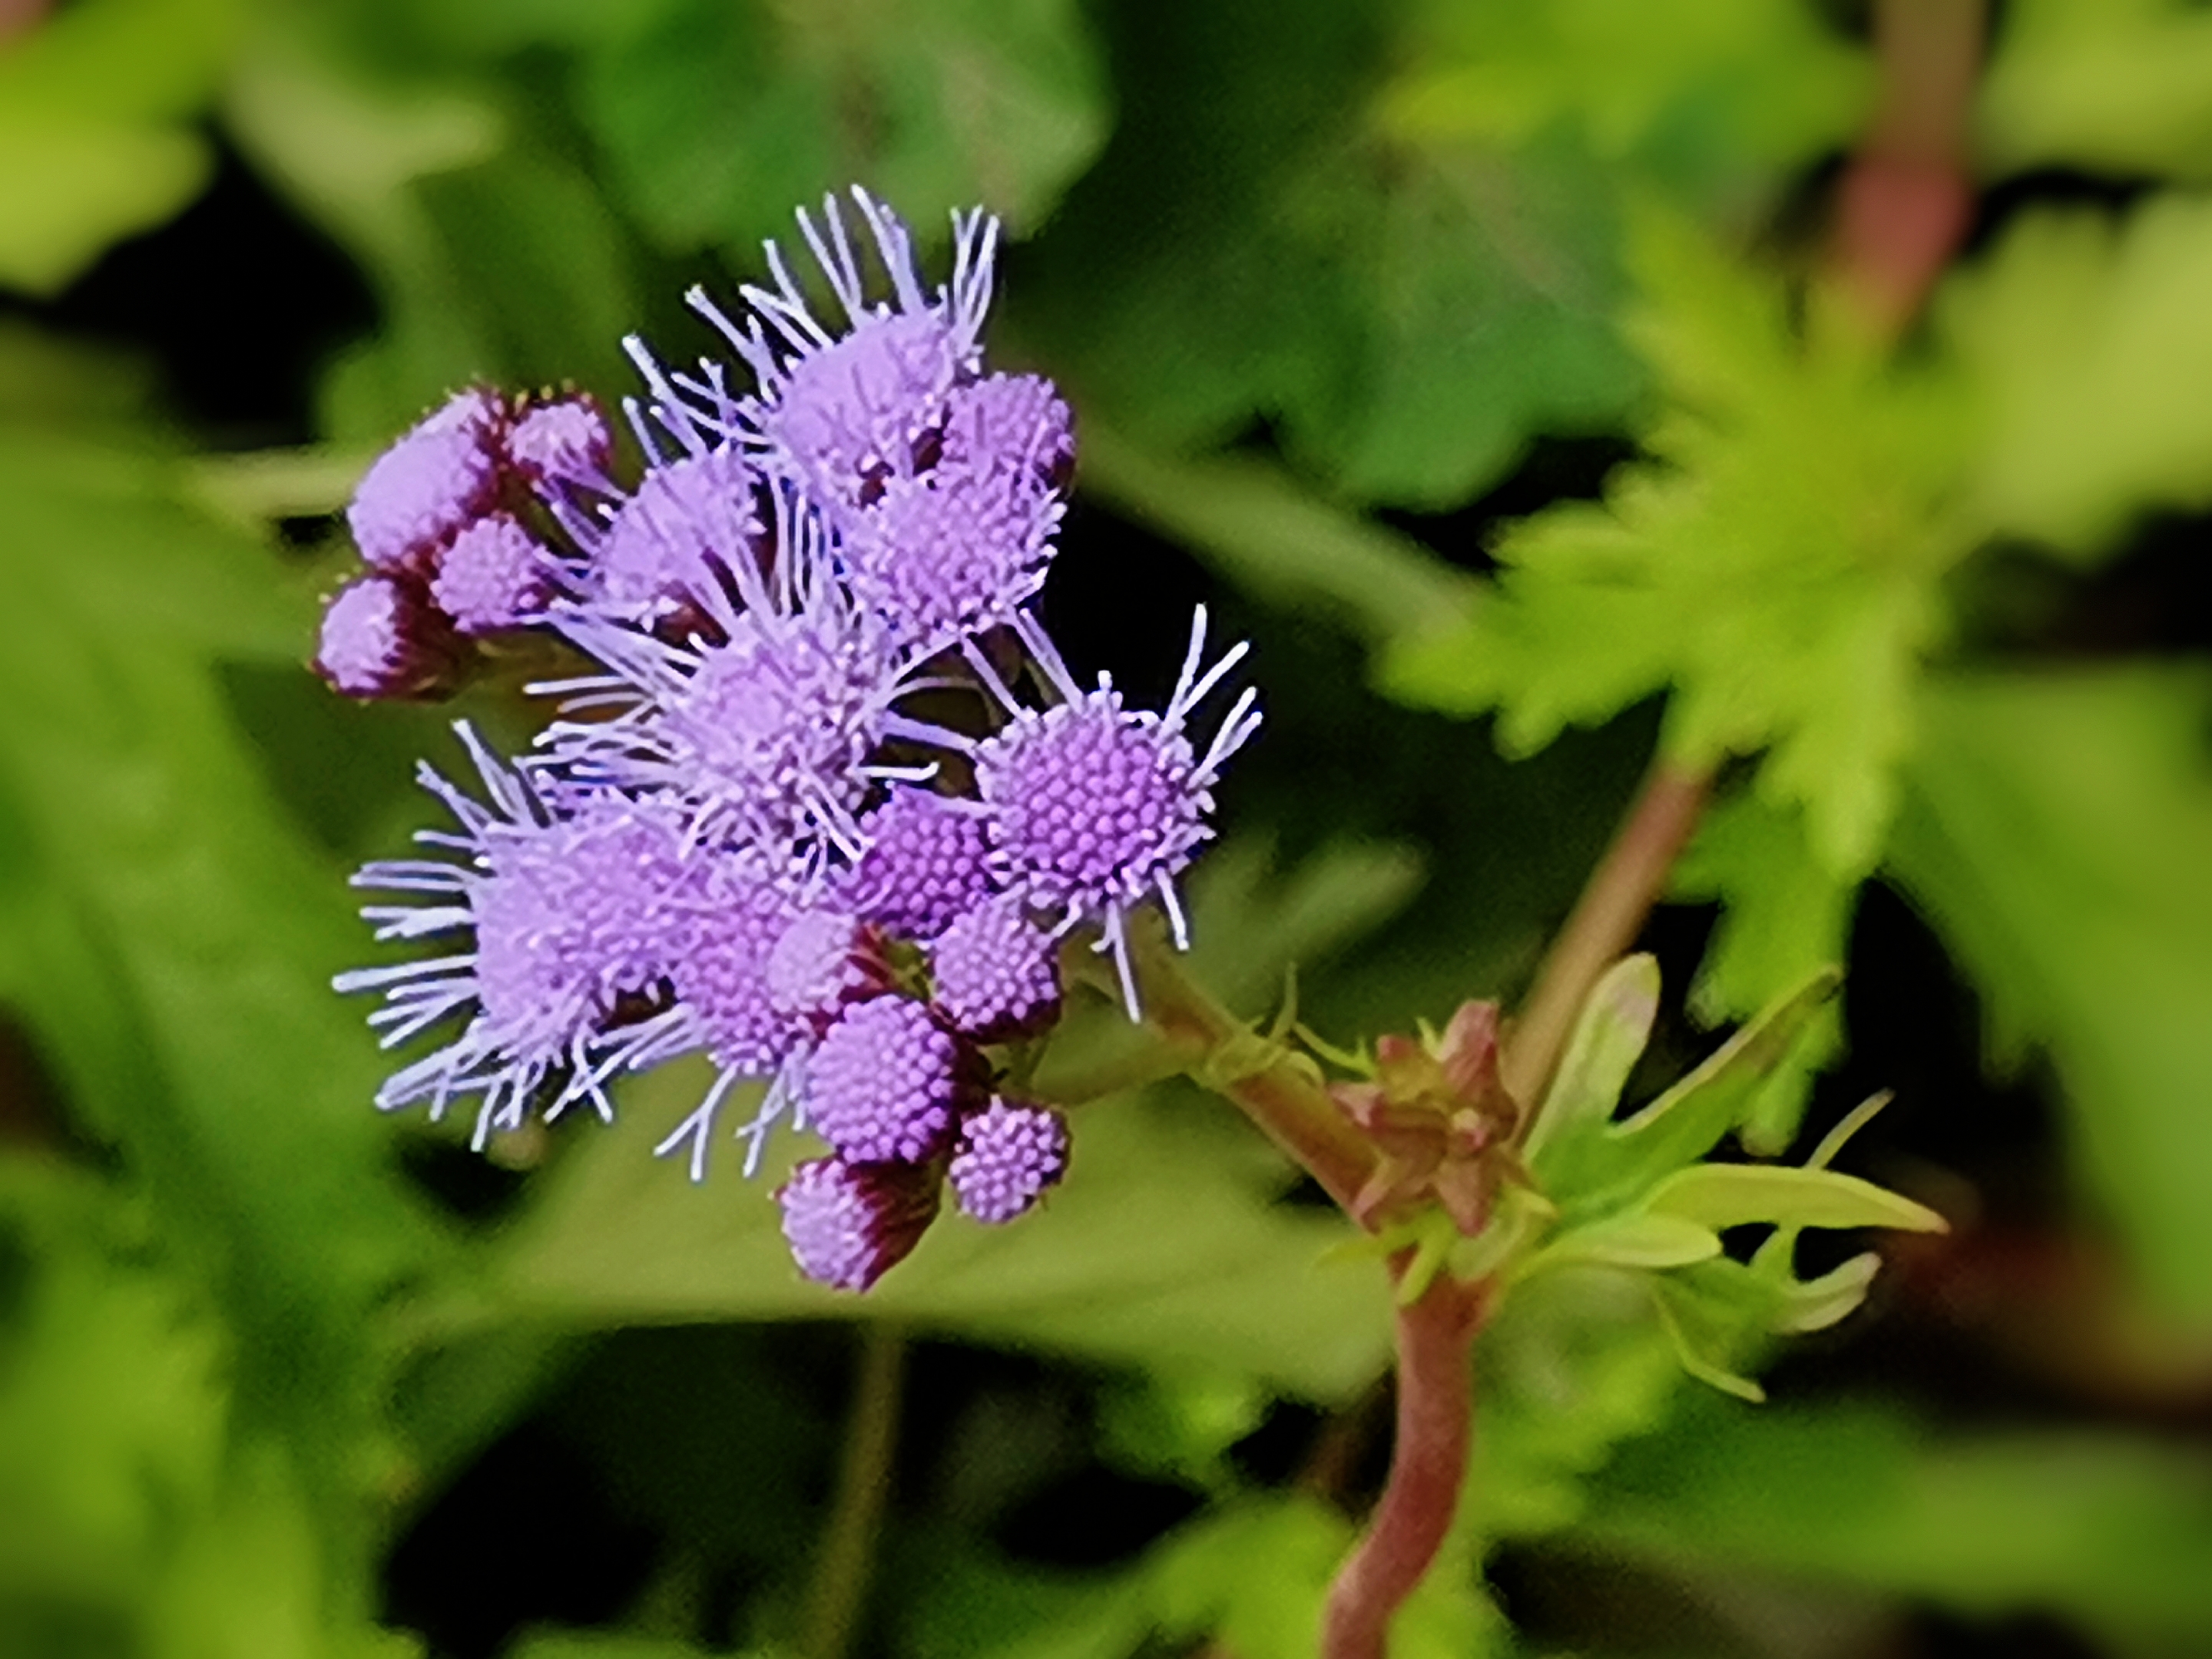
(820, 799)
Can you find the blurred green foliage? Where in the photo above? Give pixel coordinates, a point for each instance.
(1334, 286)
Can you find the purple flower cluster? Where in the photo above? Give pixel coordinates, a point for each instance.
(741, 835)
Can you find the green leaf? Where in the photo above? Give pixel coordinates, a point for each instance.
(2107, 1530)
(1706, 91)
(170, 908)
(2056, 832)
(2090, 344)
(1784, 916)
(1165, 1247)
(1572, 1365)
(1610, 1037)
(1592, 1175)
(1253, 522)
(1633, 1240)
(1723, 1195)
(2121, 86)
(719, 118)
(1779, 569)
(69, 190)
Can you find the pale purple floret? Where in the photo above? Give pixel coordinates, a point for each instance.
(1093, 807)
(444, 473)
(765, 731)
(568, 917)
(948, 554)
(996, 973)
(847, 1223)
(723, 1003)
(926, 862)
(824, 960)
(1008, 1155)
(842, 408)
(564, 442)
(688, 531)
(886, 1082)
(494, 576)
(1009, 424)
(381, 638)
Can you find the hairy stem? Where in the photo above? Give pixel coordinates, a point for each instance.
(1606, 920)
(849, 1547)
(1428, 1464)
(1280, 1091)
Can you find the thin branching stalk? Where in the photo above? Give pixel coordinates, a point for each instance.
(848, 1545)
(1605, 922)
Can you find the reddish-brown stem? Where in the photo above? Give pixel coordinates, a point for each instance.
(1428, 1464)
(1907, 197)
(1606, 919)
(1278, 1090)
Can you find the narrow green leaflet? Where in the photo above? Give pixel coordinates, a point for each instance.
(717, 117)
(1608, 1038)
(2057, 829)
(2108, 1530)
(1724, 1195)
(1593, 1171)
(2120, 87)
(2088, 338)
(96, 139)
(1777, 570)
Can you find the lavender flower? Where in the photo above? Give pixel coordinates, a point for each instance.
(563, 441)
(842, 413)
(569, 914)
(736, 838)
(926, 863)
(444, 473)
(688, 529)
(824, 960)
(887, 1082)
(1095, 808)
(1008, 1155)
(381, 638)
(494, 576)
(996, 972)
(847, 1223)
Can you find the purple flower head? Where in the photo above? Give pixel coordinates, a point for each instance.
(825, 960)
(742, 907)
(926, 863)
(1009, 425)
(847, 1223)
(564, 442)
(765, 731)
(944, 556)
(1095, 808)
(689, 530)
(886, 1083)
(842, 409)
(381, 638)
(996, 972)
(570, 916)
(1007, 1156)
(493, 576)
(440, 475)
